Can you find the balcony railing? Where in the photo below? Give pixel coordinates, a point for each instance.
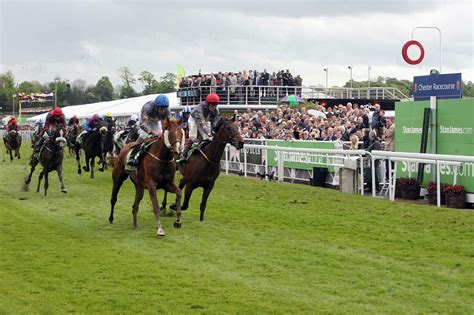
(272, 95)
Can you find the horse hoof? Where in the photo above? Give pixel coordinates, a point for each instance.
(79, 171)
(111, 220)
(101, 170)
(174, 206)
(160, 232)
(177, 225)
(64, 190)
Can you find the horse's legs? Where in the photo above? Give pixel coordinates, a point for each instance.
(205, 195)
(187, 195)
(174, 189)
(46, 182)
(11, 155)
(78, 160)
(139, 191)
(117, 183)
(163, 204)
(39, 181)
(59, 169)
(156, 208)
(18, 152)
(92, 163)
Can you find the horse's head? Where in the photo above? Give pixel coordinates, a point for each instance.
(13, 134)
(173, 136)
(58, 135)
(103, 130)
(227, 132)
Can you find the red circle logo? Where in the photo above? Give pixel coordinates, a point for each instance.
(405, 52)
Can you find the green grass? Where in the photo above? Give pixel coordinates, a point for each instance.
(263, 248)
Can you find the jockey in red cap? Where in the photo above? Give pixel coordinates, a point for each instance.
(55, 118)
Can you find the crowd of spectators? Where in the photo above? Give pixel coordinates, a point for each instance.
(237, 82)
(339, 123)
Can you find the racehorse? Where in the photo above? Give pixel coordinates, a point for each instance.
(92, 144)
(13, 143)
(109, 139)
(203, 167)
(155, 171)
(51, 158)
(72, 134)
(123, 137)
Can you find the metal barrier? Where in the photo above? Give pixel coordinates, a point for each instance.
(337, 158)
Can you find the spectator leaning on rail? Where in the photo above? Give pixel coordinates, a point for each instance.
(153, 112)
(203, 117)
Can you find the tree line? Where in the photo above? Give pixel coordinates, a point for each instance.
(78, 91)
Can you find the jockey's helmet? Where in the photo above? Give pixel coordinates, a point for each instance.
(95, 117)
(162, 101)
(58, 112)
(212, 98)
(186, 109)
(108, 115)
(75, 117)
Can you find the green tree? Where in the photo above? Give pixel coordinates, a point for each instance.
(30, 87)
(7, 89)
(148, 81)
(167, 84)
(104, 89)
(468, 89)
(127, 79)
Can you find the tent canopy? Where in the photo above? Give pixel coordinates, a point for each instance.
(118, 108)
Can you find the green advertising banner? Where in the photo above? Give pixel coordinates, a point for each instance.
(296, 160)
(454, 132)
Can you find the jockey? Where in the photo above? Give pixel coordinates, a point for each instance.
(12, 125)
(55, 118)
(131, 124)
(73, 121)
(107, 118)
(38, 125)
(153, 112)
(92, 124)
(185, 114)
(203, 117)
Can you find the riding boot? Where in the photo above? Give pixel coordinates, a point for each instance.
(132, 160)
(184, 154)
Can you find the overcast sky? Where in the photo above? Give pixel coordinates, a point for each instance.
(90, 39)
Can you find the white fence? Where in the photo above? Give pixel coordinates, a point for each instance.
(337, 158)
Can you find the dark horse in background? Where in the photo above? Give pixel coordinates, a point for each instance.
(92, 144)
(12, 143)
(72, 134)
(125, 136)
(108, 147)
(203, 167)
(156, 170)
(51, 158)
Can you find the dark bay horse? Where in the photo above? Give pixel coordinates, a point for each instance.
(108, 146)
(13, 144)
(203, 167)
(92, 144)
(156, 170)
(72, 134)
(51, 158)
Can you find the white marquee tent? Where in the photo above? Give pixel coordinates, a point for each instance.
(118, 108)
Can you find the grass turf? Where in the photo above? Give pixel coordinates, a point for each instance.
(263, 248)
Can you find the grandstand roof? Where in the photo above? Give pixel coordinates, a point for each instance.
(122, 107)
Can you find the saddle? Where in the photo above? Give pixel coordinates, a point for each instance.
(137, 152)
(196, 147)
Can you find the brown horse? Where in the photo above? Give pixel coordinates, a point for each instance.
(203, 167)
(156, 170)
